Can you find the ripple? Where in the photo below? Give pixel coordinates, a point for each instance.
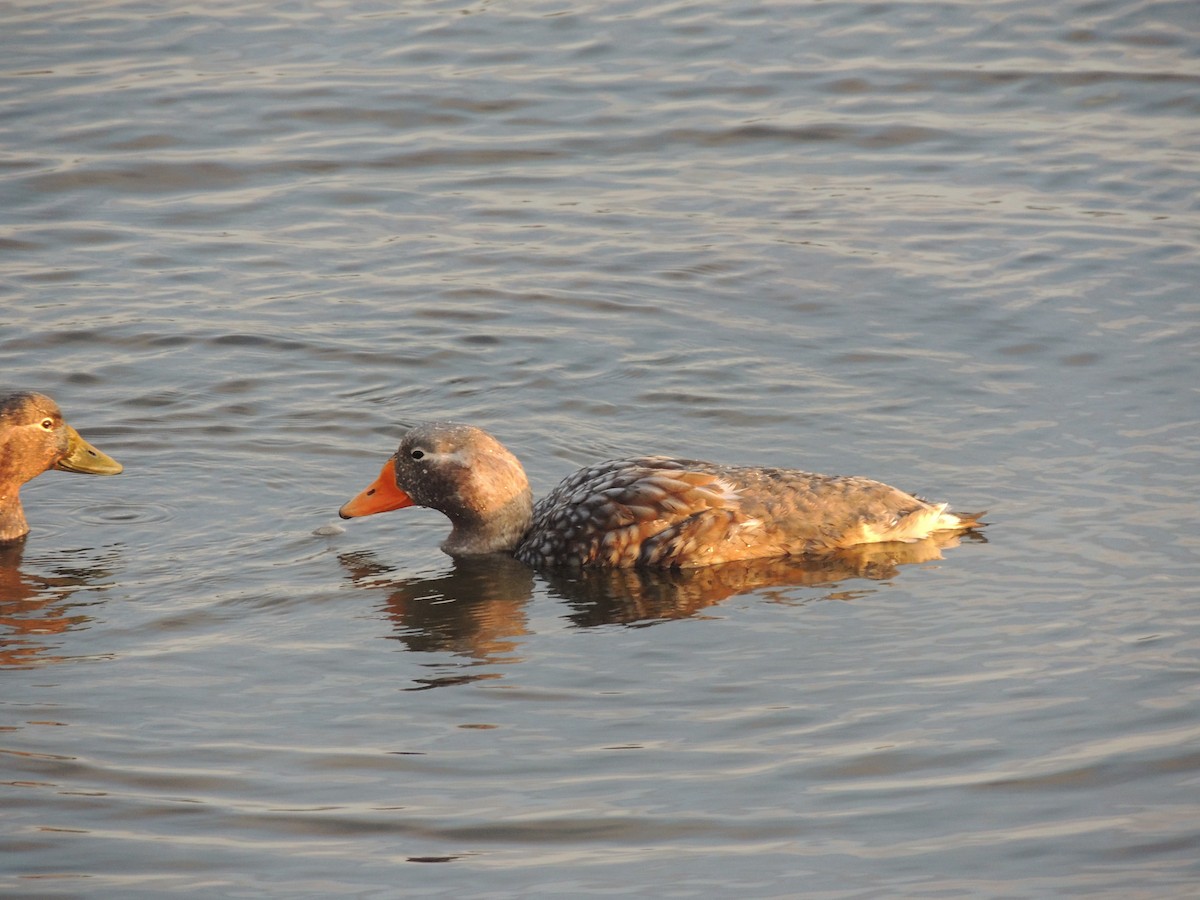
(124, 513)
(953, 251)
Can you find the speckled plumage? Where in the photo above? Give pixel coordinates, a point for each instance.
(650, 511)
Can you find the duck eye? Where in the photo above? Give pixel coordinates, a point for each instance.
(417, 454)
(47, 424)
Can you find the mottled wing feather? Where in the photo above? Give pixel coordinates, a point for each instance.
(710, 537)
(662, 512)
(820, 513)
(602, 515)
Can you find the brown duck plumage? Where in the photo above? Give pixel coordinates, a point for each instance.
(650, 511)
(33, 439)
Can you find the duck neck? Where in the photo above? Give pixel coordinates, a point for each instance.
(494, 530)
(13, 473)
(12, 517)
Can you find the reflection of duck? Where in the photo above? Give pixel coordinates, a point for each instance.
(648, 511)
(477, 609)
(34, 439)
(638, 595)
(34, 602)
(472, 609)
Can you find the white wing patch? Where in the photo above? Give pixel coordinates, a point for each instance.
(728, 493)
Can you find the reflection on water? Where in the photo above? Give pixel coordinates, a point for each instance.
(950, 245)
(642, 596)
(36, 605)
(477, 610)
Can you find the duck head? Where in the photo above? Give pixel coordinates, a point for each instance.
(35, 438)
(464, 473)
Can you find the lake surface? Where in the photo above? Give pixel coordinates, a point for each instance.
(954, 246)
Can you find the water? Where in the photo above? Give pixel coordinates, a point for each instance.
(948, 245)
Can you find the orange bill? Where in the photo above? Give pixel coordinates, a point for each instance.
(381, 495)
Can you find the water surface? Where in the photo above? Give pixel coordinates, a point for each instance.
(949, 245)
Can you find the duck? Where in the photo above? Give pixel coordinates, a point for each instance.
(34, 438)
(643, 511)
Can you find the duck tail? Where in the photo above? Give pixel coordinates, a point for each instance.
(961, 521)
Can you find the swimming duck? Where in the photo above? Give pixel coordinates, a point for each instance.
(650, 511)
(34, 438)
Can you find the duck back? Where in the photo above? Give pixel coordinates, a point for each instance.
(663, 512)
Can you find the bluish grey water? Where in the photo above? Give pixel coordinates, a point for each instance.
(953, 246)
